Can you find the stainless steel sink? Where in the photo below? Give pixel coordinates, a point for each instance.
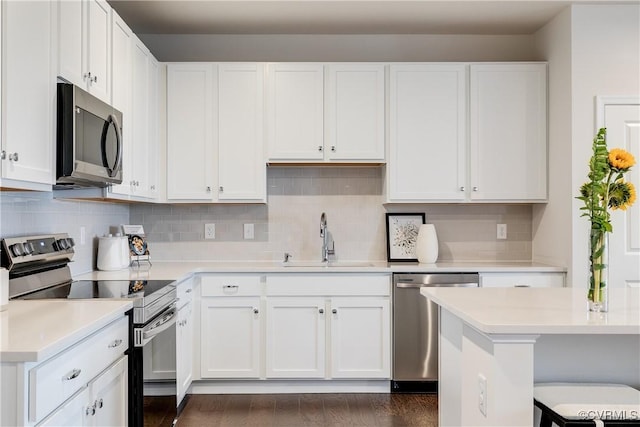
(320, 264)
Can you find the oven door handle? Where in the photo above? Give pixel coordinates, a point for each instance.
(164, 322)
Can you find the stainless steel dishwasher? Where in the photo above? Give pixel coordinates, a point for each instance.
(415, 329)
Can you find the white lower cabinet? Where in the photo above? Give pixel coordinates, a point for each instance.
(85, 384)
(295, 326)
(184, 350)
(360, 337)
(523, 280)
(333, 326)
(184, 339)
(295, 338)
(71, 413)
(231, 324)
(230, 337)
(102, 403)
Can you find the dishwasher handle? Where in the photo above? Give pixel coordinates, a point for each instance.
(436, 285)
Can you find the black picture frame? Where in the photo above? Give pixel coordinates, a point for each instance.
(402, 233)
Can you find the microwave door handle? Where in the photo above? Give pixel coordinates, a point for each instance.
(114, 121)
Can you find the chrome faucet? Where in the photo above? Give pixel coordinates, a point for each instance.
(326, 236)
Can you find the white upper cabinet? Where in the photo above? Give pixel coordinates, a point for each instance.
(508, 132)
(28, 95)
(240, 103)
(121, 90)
(84, 45)
(135, 93)
(427, 132)
(355, 112)
(153, 174)
(343, 121)
(295, 111)
(215, 132)
(190, 152)
(141, 110)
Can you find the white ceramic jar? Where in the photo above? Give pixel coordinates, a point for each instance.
(427, 244)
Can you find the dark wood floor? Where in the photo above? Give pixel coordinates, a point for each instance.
(299, 410)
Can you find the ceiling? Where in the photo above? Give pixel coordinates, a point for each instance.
(338, 16)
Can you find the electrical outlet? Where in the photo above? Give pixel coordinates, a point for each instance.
(502, 231)
(83, 236)
(248, 231)
(482, 394)
(209, 231)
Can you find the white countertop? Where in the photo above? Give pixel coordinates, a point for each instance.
(176, 270)
(539, 310)
(33, 331)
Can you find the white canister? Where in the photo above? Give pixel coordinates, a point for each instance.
(4, 289)
(111, 253)
(427, 244)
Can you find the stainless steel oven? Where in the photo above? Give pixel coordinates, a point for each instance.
(38, 270)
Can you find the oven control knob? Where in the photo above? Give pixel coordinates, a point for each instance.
(62, 244)
(28, 248)
(70, 242)
(17, 249)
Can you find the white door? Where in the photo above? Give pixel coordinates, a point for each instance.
(295, 111)
(190, 156)
(140, 113)
(623, 131)
(295, 338)
(230, 337)
(360, 338)
(354, 107)
(70, 39)
(121, 42)
(154, 142)
(508, 132)
(28, 92)
(72, 413)
(242, 168)
(184, 351)
(99, 49)
(110, 403)
(427, 132)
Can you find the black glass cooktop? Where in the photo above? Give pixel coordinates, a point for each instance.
(88, 289)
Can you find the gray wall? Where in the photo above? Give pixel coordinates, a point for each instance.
(323, 48)
(32, 213)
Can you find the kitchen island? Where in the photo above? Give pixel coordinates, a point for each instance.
(495, 343)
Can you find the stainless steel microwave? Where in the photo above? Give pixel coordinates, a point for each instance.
(89, 140)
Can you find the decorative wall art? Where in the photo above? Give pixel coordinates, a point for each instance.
(402, 233)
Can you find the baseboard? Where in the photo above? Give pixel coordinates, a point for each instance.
(288, 386)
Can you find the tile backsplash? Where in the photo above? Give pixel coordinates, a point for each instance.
(352, 198)
(32, 213)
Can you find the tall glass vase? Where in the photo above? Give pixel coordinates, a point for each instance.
(598, 271)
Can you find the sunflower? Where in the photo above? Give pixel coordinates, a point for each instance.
(621, 160)
(621, 195)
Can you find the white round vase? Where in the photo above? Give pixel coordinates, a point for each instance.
(427, 244)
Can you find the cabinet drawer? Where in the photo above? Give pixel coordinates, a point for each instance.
(231, 285)
(328, 285)
(534, 280)
(184, 292)
(54, 381)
